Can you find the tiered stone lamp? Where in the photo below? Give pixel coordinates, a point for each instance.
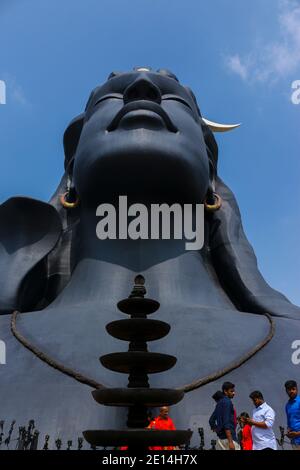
(138, 362)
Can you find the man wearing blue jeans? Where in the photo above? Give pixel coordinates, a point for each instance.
(292, 410)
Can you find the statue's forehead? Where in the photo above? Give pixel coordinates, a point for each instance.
(120, 82)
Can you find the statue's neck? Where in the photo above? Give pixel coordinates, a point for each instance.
(104, 270)
(111, 233)
(120, 247)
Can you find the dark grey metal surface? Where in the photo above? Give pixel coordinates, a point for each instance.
(133, 329)
(149, 362)
(212, 299)
(138, 306)
(154, 397)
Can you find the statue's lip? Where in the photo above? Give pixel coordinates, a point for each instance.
(139, 105)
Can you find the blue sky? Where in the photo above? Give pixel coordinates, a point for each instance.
(240, 59)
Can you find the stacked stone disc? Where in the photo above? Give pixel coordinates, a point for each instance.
(138, 362)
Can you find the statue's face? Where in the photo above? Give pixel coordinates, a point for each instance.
(141, 138)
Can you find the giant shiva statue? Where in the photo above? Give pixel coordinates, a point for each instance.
(141, 135)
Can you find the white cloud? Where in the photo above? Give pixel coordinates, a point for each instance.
(18, 94)
(273, 59)
(235, 64)
(14, 91)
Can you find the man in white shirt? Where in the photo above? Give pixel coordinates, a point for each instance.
(262, 421)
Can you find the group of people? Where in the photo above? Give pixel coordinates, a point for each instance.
(254, 433)
(242, 432)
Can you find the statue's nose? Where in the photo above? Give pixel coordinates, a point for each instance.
(142, 89)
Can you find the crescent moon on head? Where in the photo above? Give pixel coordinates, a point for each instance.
(217, 127)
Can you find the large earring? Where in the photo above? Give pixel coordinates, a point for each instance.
(70, 199)
(213, 202)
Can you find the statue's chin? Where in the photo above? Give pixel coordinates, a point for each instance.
(145, 174)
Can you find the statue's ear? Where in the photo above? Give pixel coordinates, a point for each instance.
(71, 138)
(29, 230)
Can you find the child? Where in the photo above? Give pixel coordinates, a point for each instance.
(246, 442)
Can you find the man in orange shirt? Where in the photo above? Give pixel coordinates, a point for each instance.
(162, 423)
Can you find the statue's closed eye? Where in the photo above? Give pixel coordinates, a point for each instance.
(176, 98)
(107, 97)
